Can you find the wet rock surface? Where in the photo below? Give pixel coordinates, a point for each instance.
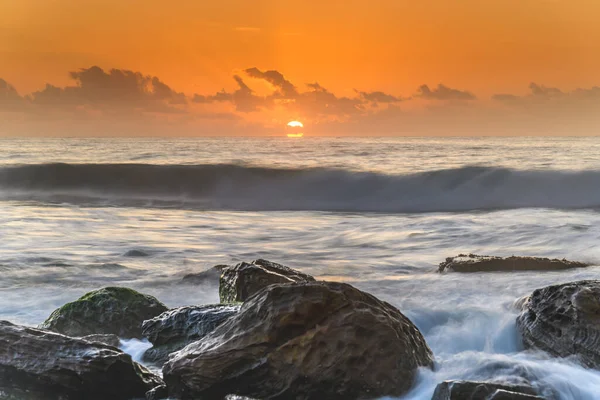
(475, 263)
(112, 310)
(239, 282)
(174, 329)
(469, 390)
(107, 339)
(564, 320)
(309, 340)
(37, 364)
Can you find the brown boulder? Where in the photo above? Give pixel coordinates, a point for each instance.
(310, 340)
(564, 320)
(239, 282)
(475, 263)
(49, 366)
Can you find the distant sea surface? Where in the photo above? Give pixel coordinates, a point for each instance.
(377, 213)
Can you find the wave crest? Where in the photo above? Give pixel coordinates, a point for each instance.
(238, 187)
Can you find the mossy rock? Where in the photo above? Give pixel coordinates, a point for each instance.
(111, 310)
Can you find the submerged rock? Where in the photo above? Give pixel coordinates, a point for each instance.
(174, 329)
(240, 282)
(112, 310)
(136, 253)
(469, 390)
(564, 320)
(108, 339)
(37, 364)
(211, 275)
(308, 340)
(475, 263)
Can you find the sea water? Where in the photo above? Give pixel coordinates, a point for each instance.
(377, 213)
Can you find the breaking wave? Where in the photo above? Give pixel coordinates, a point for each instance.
(238, 187)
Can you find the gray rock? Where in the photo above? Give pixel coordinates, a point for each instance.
(240, 282)
(475, 263)
(112, 310)
(470, 390)
(174, 329)
(309, 340)
(37, 364)
(564, 320)
(108, 339)
(158, 393)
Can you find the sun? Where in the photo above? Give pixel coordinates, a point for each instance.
(293, 129)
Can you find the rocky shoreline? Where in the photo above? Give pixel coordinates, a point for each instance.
(277, 334)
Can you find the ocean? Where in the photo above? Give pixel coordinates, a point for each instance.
(378, 213)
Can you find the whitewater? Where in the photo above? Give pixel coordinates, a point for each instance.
(378, 213)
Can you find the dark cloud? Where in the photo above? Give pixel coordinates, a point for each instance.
(379, 97)
(540, 94)
(275, 78)
(117, 89)
(320, 101)
(315, 86)
(317, 101)
(442, 92)
(544, 91)
(10, 100)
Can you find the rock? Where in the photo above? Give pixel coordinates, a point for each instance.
(564, 320)
(475, 263)
(211, 275)
(46, 365)
(112, 310)
(158, 393)
(240, 282)
(469, 390)
(308, 340)
(136, 253)
(108, 339)
(174, 329)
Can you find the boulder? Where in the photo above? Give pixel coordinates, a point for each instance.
(174, 329)
(108, 339)
(307, 340)
(37, 364)
(240, 282)
(211, 275)
(112, 310)
(564, 320)
(475, 263)
(469, 390)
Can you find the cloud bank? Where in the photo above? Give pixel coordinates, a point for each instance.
(124, 102)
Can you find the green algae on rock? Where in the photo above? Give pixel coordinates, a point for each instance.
(111, 310)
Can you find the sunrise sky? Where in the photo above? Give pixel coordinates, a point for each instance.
(380, 67)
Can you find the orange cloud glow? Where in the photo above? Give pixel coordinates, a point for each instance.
(238, 67)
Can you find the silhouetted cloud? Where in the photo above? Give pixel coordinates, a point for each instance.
(10, 100)
(379, 97)
(117, 89)
(442, 92)
(275, 78)
(540, 94)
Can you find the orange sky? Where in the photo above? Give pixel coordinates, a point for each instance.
(484, 47)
